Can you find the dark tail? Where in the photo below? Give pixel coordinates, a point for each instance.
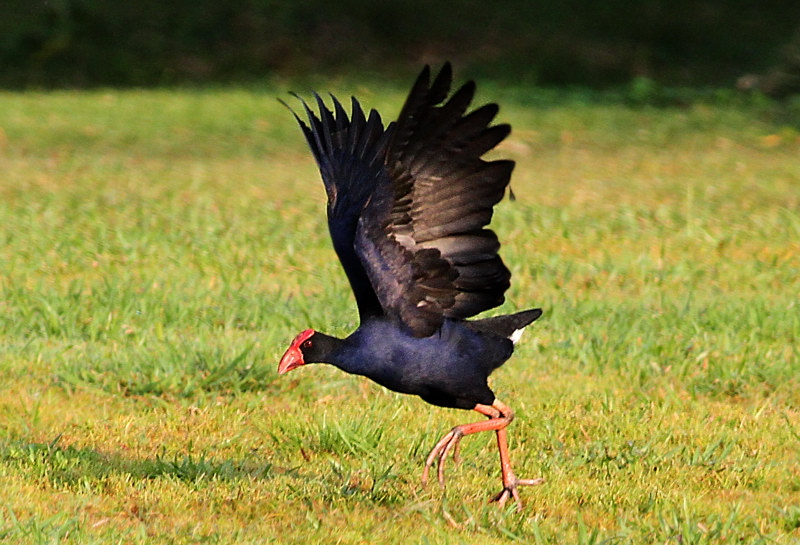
(505, 326)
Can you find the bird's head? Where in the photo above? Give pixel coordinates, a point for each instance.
(297, 354)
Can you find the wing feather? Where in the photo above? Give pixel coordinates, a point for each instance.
(408, 204)
(422, 236)
(349, 152)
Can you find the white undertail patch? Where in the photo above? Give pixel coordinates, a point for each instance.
(517, 335)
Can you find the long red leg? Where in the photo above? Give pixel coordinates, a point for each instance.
(510, 481)
(500, 416)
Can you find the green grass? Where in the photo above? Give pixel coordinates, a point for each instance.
(160, 249)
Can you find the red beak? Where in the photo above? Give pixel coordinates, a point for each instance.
(292, 359)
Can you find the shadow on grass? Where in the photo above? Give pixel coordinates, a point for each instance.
(74, 468)
(81, 467)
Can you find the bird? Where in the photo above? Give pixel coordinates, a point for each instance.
(408, 205)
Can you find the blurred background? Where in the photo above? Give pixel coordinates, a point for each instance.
(85, 43)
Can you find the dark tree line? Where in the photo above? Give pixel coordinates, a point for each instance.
(147, 42)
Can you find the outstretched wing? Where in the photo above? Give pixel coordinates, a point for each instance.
(421, 236)
(350, 154)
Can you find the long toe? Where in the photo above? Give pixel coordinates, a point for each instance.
(452, 445)
(510, 490)
(448, 443)
(436, 455)
(433, 456)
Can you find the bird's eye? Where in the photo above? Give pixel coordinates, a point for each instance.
(307, 344)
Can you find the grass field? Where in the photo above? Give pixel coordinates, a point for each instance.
(161, 248)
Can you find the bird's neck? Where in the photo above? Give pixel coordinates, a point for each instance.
(346, 354)
(327, 349)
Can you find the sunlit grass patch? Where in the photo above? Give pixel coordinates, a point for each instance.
(160, 248)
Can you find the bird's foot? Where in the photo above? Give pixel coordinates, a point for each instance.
(438, 454)
(510, 484)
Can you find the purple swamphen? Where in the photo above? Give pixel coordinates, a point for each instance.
(408, 206)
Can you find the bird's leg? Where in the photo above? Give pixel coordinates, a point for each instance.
(500, 416)
(451, 440)
(456, 445)
(510, 481)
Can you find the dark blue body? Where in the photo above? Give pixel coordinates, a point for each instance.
(448, 369)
